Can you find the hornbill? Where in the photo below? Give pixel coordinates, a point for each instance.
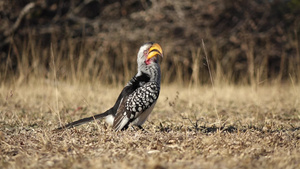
(138, 97)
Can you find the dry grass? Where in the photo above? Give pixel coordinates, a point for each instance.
(43, 85)
(233, 127)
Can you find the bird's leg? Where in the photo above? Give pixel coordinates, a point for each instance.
(141, 128)
(136, 128)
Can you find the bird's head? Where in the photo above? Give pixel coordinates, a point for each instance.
(148, 54)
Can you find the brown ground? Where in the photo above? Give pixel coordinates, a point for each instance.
(197, 127)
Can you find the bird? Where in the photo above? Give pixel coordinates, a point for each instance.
(139, 96)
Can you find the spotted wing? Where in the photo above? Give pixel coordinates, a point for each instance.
(133, 105)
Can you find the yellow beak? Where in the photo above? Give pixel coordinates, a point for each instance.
(154, 50)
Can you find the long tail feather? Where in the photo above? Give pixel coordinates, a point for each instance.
(84, 120)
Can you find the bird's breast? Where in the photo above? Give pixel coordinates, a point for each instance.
(143, 116)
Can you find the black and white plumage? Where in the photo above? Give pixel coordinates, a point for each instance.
(139, 96)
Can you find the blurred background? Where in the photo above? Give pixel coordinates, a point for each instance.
(96, 41)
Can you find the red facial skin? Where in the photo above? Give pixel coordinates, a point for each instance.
(147, 61)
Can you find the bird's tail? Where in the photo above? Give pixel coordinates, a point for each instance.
(85, 120)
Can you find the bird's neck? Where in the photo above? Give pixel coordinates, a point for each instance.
(157, 75)
(152, 72)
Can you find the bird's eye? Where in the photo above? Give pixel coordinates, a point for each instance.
(145, 52)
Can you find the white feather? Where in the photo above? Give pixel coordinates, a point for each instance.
(122, 123)
(110, 119)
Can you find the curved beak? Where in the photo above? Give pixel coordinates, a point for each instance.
(154, 50)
